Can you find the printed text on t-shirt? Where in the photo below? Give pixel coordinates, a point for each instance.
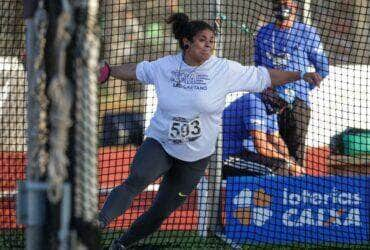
(192, 81)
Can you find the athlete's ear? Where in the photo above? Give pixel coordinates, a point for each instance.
(186, 43)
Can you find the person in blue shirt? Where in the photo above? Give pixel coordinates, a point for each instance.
(287, 44)
(251, 141)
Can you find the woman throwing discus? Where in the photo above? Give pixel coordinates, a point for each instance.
(191, 88)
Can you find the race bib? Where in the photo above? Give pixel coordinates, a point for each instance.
(182, 130)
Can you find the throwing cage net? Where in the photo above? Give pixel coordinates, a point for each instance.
(49, 122)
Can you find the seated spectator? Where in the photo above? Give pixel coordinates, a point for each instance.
(251, 141)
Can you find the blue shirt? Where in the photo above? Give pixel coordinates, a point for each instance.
(293, 49)
(245, 114)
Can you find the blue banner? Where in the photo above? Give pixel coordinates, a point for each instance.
(278, 210)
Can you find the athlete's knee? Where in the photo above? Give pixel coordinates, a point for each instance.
(118, 191)
(137, 181)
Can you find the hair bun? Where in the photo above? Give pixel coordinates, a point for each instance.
(179, 22)
(180, 17)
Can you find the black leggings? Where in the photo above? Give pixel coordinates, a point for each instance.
(151, 162)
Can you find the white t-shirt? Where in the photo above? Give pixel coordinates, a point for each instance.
(191, 100)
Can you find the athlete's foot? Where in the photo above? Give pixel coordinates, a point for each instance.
(116, 245)
(100, 222)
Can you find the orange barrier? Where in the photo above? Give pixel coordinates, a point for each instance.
(113, 168)
(317, 161)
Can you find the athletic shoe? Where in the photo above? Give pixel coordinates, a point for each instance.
(117, 246)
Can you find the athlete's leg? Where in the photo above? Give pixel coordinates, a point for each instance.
(177, 184)
(150, 162)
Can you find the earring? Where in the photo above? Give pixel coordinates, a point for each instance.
(186, 46)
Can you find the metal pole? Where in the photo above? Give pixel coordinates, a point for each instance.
(36, 205)
(35, 198)
(219, 41)
(307, 12)
(215, 169)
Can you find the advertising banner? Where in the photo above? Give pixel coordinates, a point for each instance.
(276, 210)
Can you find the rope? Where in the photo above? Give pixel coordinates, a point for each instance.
(86, 61)
(61, 100)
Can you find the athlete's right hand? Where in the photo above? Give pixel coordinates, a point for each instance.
(104, 73)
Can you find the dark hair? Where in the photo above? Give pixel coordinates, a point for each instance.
(182, 27)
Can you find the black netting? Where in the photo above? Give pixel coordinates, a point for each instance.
(251, 204)
(136, 31)
(12, 119)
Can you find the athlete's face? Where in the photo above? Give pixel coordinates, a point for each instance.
(201, 49)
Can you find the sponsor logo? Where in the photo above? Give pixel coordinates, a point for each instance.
(253, 207)
(181, 194)
(299, 209)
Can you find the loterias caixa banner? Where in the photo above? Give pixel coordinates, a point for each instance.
(297, 209)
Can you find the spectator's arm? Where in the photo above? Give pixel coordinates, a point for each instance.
(316, 54)
(279, 144)
(264, 147)
(257, 52)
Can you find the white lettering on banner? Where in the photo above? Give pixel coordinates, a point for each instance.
(335, 208)
(353, 218)
(321, 217)
(287, 220)
(312, 198)
(316, 199)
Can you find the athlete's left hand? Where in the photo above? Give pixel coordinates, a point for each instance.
(104, 72)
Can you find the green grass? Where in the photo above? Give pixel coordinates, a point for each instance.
(170, 240)
(12, 239)
(184, 240)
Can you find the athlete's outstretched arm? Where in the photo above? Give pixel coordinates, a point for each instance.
(279, 77)
(124, 72)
